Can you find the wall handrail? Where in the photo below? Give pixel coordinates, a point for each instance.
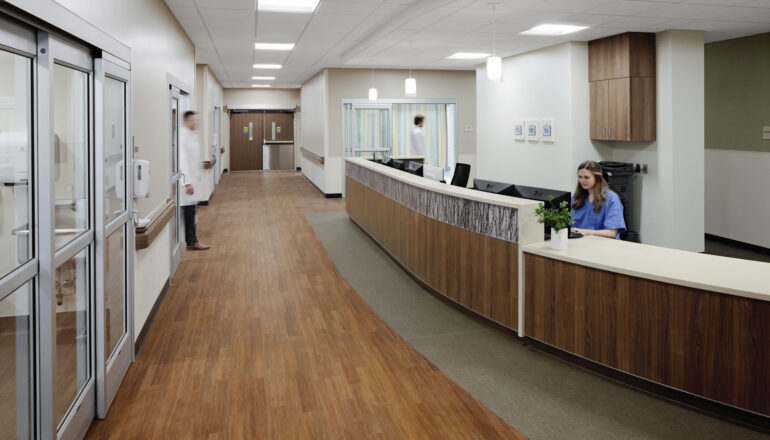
(309, 154)
(147, 233)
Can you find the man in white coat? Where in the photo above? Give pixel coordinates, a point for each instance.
(191, 168)
(418, 137)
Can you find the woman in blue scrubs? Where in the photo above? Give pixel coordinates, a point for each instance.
(595, 208)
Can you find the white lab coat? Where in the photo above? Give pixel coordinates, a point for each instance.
(191, 166)
(417, 144)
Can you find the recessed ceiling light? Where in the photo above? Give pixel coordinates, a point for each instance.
(273, 46)
(467, 56)
(287, 5)
(553, 29)
(260, 85)
(267, 66)
(263, 78)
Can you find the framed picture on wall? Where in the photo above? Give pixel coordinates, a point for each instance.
(518, 130)
(547, 133)
(533, 130)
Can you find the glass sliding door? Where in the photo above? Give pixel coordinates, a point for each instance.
(369, 133)
(65, 231)
(67, 205)
(114, 348)
(18, 260)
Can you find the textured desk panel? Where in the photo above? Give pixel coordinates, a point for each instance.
(483, 218)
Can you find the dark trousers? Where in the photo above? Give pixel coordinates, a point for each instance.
(190, 229)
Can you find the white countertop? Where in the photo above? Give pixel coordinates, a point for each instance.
(732, 276)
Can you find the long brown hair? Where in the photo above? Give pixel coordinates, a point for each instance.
(597, 191)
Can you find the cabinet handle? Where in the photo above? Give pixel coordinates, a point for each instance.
(610, 131)
(604, 131)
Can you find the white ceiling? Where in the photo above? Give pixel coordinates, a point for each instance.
(422, 33)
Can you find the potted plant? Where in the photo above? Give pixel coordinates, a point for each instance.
(559, 219)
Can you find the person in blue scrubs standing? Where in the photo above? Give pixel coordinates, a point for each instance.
(595, 208)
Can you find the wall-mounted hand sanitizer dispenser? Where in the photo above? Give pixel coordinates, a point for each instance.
(141, 179)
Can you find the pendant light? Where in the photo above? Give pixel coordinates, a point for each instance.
(372, 90)
(410, 84)
(494, 63)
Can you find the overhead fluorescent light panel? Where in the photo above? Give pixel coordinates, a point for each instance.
(273, 46)
(263, 78)
(553, 29)
(267, 66)
(302, 6)
(467, 56)
(260, 85)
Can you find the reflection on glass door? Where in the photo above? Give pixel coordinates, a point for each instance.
(72, 201)
(70, 153)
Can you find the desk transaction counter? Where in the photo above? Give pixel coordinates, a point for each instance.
(696, 324)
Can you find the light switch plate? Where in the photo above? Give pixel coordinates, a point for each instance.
(766, 132)
(468, 128)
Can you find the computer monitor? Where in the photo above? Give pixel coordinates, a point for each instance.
(541, 194)
(433, 173)
(502, 188)
(414, 168)
(398, 164)
(387, 161)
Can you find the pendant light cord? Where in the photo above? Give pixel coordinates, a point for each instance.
(494, 31)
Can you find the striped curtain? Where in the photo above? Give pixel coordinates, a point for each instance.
(434, 127)
(368, 130)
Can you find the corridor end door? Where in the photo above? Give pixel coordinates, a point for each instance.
(246, 141)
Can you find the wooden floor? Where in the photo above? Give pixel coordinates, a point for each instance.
(262, 338)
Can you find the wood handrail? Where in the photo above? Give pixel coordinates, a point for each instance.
(147, 234)
(311, 155)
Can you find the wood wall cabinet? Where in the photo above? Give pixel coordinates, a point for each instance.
(621, 71)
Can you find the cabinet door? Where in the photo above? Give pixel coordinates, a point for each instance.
(619, 109)
(616, 57)
(599, 114)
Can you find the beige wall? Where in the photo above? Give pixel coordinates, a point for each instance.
(208, 94)
(258, 97)
(737, 158)
(355, 83)
(159, 47)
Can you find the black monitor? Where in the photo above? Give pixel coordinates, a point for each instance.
(502, 188)
(387, 161)
(398, 164)
(541, 195)
(414, 168)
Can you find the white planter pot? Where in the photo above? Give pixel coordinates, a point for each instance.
(559, 239)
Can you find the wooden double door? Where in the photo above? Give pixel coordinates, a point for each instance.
(251, 130)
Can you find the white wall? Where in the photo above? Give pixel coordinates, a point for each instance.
(315, 135)
(553, 83)
(736, 190)
(261, 97)
(670, 199)
(159, 46)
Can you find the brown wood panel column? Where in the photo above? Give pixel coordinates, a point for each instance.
(709, 344)
(474, 270)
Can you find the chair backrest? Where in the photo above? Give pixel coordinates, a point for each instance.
(462, 173)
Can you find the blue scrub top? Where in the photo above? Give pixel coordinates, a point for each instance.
(610, 217)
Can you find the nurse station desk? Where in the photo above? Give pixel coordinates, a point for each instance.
(690, 327)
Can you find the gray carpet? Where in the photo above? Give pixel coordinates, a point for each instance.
(542, 397)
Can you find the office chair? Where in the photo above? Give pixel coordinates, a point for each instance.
(461, 175)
